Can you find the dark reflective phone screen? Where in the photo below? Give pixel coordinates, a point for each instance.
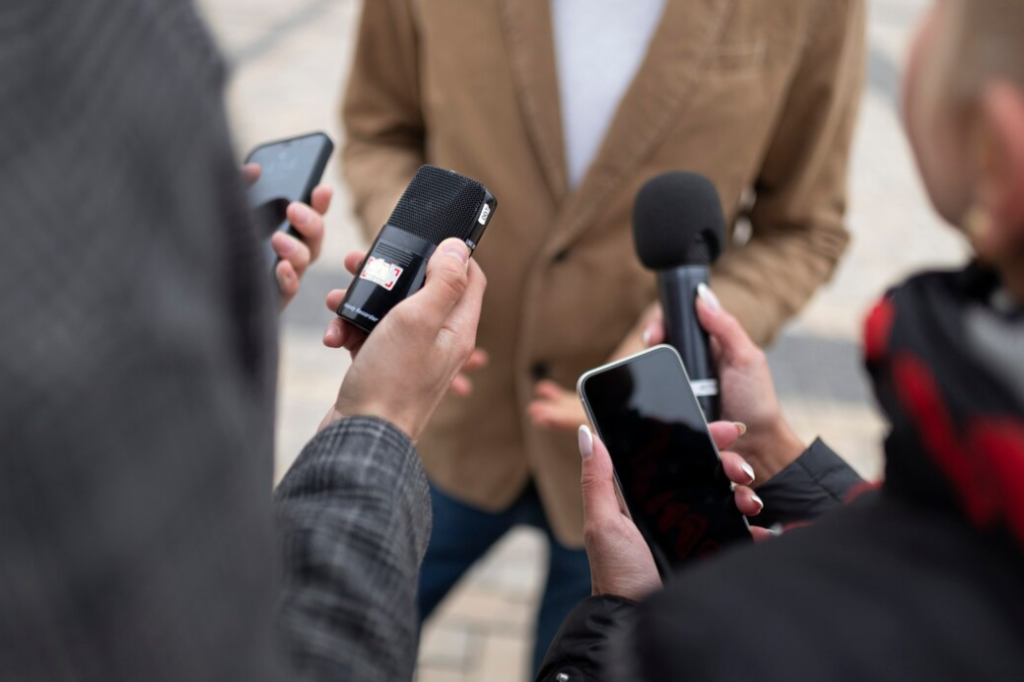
(286, 168)
(668, 468)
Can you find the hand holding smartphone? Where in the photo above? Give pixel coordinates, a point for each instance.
(289, 171)
(666, 463)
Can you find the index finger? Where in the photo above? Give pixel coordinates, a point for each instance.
(353, 260)
(726, 433)
(251, 173)
(320, 200)
(724, 329)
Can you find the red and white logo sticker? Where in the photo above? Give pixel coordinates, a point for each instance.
(381, 272)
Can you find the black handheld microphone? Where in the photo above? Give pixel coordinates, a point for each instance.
(679, 229)
(438, 204)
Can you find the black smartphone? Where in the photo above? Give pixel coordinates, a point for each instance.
(289, 171)
(667, 466)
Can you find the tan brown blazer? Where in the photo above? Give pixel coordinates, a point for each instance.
(759, 95)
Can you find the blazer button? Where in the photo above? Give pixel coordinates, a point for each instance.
(540, 370)
(561, 256)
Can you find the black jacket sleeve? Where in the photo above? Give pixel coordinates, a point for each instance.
(580, 652)
(816, 483)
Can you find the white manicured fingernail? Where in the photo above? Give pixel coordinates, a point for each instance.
(586, 442)
(748, 470)
(708, 296)
(757, 500)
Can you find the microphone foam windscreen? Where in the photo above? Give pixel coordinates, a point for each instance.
(439, 204)
(678, 220)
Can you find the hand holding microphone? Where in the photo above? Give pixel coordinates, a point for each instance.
(438, 204)
(401, 371)
(410, 315)
(679, 229)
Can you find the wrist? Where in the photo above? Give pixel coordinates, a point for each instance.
(333, 415)
(340, 411)
(772, 449)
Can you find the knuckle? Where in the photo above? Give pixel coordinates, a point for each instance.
(590, 483)
(455, 277)
(406, 315)
(465, 348)
(593, 532)
(751, 356)
(452, 288)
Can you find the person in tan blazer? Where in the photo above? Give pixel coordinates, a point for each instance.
(759, 96)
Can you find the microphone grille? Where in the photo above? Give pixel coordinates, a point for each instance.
(678, 220)
(439, 204)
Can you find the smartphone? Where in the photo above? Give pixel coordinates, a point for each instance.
(289, 171)
(667, 466)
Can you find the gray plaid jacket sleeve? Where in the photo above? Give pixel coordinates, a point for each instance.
(355, 516)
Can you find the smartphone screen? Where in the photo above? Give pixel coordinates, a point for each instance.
(668, 468)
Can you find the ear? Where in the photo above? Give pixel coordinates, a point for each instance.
(1000, 169)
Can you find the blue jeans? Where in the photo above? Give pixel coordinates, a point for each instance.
(462, 534)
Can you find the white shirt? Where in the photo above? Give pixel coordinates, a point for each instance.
(599, 46)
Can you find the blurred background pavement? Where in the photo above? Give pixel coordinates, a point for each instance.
(289, 60)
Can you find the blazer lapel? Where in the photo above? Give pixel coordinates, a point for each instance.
(530, 43)
(677, 57)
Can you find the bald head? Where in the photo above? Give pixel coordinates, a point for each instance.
(990, 42)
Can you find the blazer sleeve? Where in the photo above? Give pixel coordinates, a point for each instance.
(355, 515)
(383, 122)
(798, 231)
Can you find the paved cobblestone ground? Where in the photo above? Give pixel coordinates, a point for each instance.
(290, 57)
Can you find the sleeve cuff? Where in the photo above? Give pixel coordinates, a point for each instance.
(348, 452)
(817, 482)
(579, 652)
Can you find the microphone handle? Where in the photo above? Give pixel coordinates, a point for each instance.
(677, 289)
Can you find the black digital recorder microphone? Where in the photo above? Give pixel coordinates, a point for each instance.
(438, 204)
(679, 229)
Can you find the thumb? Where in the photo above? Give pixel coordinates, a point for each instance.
(447, 280)
(598, 480)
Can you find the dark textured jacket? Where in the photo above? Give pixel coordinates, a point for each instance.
(883, 589)
(878, 591)
(590, 644)
(137, 364)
